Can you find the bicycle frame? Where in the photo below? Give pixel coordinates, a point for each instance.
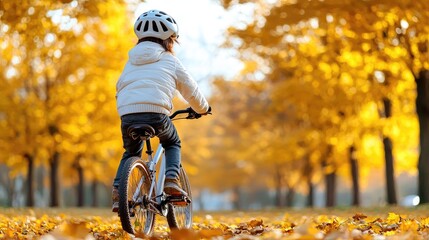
(153, 161)
(160, 154)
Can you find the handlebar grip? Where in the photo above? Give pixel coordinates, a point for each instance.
(178, 112)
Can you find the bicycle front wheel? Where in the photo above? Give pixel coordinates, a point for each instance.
(134, 189)
(180, 216)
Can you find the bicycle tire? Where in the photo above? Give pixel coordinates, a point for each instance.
(179, 217)
(142, 219)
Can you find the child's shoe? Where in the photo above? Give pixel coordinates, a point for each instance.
(172, 187)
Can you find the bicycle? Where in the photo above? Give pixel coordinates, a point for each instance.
(141, 195)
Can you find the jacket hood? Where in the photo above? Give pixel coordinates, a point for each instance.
(145, 53)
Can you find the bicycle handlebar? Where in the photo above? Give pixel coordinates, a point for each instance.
(191, 113)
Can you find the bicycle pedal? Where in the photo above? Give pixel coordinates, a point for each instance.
(179, 200)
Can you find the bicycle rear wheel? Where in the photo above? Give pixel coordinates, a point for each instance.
(134, 188)
(180, 216)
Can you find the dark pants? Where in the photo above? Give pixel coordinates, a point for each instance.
(166, 133)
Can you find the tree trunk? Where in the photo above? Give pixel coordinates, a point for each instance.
(422, 106)
(94, 190)
(55, 185)
(80, 187)
(331, 179)
(290, 195)
(388, 156)
(278, 181)
(308, 173)
(30, 180)
(390, 175)
(354, 168)
(13, 191)
(310, 196)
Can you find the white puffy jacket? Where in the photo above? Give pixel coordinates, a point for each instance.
(150, 79)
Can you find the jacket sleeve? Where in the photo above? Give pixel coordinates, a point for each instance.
(188, 88)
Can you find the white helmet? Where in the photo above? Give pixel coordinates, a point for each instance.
(155, 23)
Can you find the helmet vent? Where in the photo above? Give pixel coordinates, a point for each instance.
(158, 15)
(139, 26)
(164, 27)
(169, 19)
(154, 26)
(146, 26)
(162, 12)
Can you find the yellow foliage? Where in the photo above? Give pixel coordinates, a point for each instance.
(328, 75)
(249, 67)
(301, 224)
(61, 99)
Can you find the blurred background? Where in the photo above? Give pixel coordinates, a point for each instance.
(315, 103)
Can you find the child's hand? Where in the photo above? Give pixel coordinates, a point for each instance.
(193, 114)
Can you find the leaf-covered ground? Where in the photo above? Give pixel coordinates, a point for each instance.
(377, 223)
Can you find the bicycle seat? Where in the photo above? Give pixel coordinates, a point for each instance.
(144, 131)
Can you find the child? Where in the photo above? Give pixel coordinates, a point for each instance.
(145, 90)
